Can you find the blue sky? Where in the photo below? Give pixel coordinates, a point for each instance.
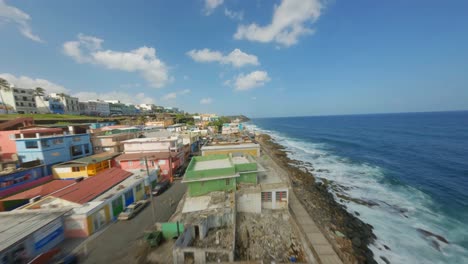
(260, 58)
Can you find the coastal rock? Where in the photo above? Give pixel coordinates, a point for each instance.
(430, 234)
(386, 247)
(325, 208)
(385, 259)
(356, 241)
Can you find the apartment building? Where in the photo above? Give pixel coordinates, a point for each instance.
(20, 99)
(71, 104)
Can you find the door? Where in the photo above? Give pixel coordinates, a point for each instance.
(117, 206)
(129, 199)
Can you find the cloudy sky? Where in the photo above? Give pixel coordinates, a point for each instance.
(257, 57)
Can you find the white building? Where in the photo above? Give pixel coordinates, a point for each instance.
(95, 108)
(70, 103)
(20, 99)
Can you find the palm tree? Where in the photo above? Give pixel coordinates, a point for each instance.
(4, 85)
(40, 92)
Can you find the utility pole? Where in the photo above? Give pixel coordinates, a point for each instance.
(151, 190)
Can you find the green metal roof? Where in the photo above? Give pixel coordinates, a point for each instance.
(92, 159)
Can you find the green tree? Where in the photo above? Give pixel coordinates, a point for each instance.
(219, 123)
(5, 86)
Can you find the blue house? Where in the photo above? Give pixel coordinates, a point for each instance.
(52, 145)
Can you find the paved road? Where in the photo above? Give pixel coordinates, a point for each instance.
(119, 243)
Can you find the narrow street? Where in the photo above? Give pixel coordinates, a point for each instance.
(120, 242)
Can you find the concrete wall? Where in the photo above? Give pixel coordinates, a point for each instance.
(249, 202)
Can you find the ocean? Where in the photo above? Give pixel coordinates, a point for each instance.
(413, 166)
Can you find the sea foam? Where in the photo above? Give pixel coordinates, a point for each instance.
(399, 211)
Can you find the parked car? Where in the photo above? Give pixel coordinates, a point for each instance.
(132, 210)
(161, 187)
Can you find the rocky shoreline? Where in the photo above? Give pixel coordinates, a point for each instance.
(349, 235)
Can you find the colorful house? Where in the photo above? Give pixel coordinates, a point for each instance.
(165, 162)
(17, 179)
(52, 145)
(95, 201)
(22, 198)
(219, 173)
(84, 167)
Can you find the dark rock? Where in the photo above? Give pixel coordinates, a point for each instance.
(386, 247)
(356, 241)
(356, 213)
(430, 234)
(435, 245)
(385, 259)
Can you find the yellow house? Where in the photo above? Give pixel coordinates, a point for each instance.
(84, 167)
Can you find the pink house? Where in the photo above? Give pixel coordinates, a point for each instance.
(7, 146)
(167, 153)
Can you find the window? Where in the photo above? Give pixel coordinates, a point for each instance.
(76, 151)
(86, 148)
(31, 144)
(228, 181)
(58, 141)
(281, 196)
(75, 169)
(266, 196)
(76, 139)
(45, 143)
(25, 98)
(130, 163)
(138, 188)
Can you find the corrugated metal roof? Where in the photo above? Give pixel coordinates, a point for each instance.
(92, 159)
(41, 190)
(15, 226)
(91, 187)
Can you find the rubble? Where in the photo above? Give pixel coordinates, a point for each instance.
(268, 236)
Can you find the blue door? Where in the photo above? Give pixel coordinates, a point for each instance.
(129, 197)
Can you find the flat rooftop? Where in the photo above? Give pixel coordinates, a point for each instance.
(240, 160)
(212, 164)
(230, 146)
(16, 226)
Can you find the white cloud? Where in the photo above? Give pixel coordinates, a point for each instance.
(205, 101)
(291, 19)
(233, 14)
(28, 82)
(211, 5)
(138, 98)
(88, 49)
(170, 96)
(236, 58)
(186, 91)
(252, 80)
(173, 95)
(11, 14)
